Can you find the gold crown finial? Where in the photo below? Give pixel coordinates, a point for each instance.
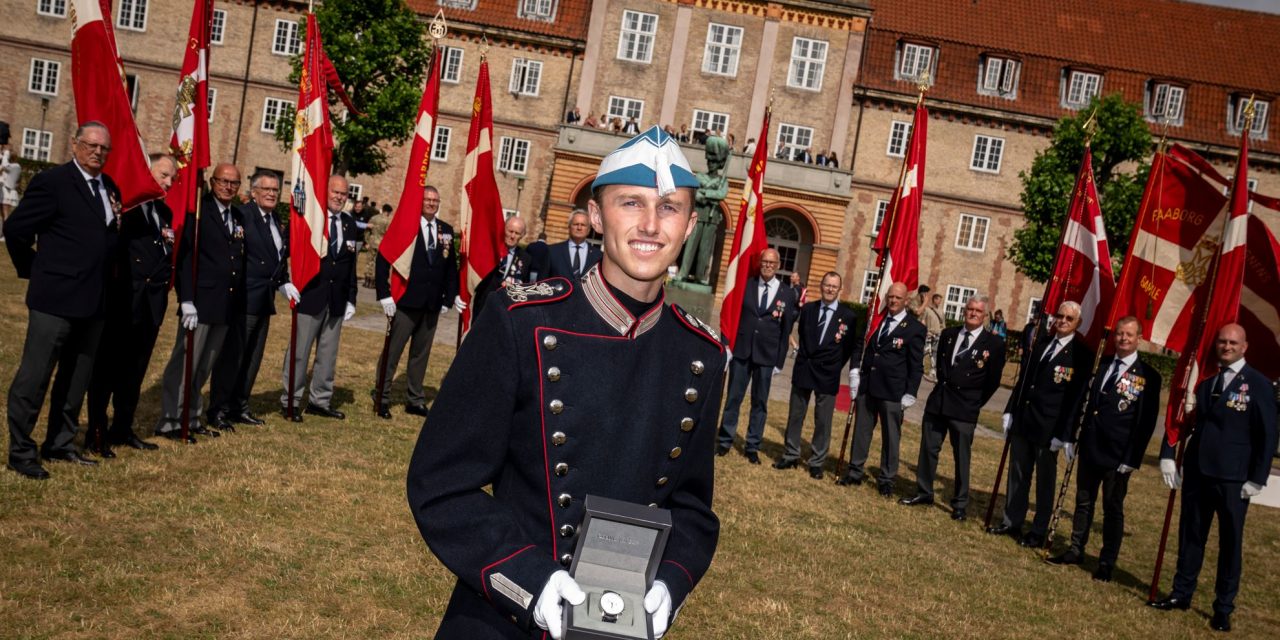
(438, 26)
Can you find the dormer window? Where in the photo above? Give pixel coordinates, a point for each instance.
(998, 76)
(1165, 103)
(1236, 119)
(1079, 87)
(914, 60)
(537, 10)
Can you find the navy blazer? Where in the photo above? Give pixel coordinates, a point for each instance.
(143, 264)
(218, 290)
(965, 387)
(892, 367)
(561, 262)
(1234, 438)
(433, 275)
(266, 268)
(821, 358)
(762, 335)
(1116, 423)
(1046, 395)
(334, 285)
(68, 270)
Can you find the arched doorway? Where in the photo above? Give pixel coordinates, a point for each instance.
(790, 233)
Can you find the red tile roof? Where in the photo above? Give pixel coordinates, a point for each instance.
(1215, 52)
(571, 16)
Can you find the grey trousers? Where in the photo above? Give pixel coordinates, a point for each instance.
(208, 342)
(238, 365)
(889, 414)
(52, 342)
(823, 408)
(934, 430)
(417, 328)
(1024, 457)
(322, 330)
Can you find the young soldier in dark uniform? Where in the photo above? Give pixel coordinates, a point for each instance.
(564, 389)
(137, 296)
(894, 363)
(1117, 426)
(1038, 419)
(829, 339)
(969, 364)
(1227, 462)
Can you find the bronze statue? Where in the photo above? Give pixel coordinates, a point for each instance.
(714, 186)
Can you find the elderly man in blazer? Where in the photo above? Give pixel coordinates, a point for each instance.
(74, 210)
(829, 340)
(893, 363)
(760, 349)
(1038, 422)
(514, 267)
(575, 256)
(1115, 429)
(1226, 464)
(970, 363)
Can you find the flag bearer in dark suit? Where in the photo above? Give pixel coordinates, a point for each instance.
(1116, 428)
(573, 257)
(513, 268)
(1038, 419)
(209, 304)
(893, 362)
(969, 364)
(565, 389)
(266, 271)
(74, 210)
(768, 310)
(431, 289)
(829, 339)
(1227, 462)
(327, 301)
(138, 294)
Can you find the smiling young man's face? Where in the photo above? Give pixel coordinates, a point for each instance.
(642, 235)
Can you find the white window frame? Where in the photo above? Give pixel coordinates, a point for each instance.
(354, 191)
(526, 77)
(808, 63)
(52, 8)
(790, 135)
(508, 214)
(440, 146)
(1159, 100)
(870, 282)
(537, 10)
(952, 308)
(213, 100)
(136, 17)
(711, 120)
(882, 211)
(468, 5)
(722, 51)
(1079, 87)
(278, 107)
(899, 135)
(451, 70)
(37, 144)
(1031, 308)
(513, 155)
(622, 107)
(635, 42)
(914, 60)
(218, 27)
(291, 36)
(1236, 113)
(40, 79)
(998, 76)
(972, 232)
(988, 153)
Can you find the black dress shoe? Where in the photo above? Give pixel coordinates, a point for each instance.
(318, 410)
(959, 515)
(1170, 603)
(1032, 540)
(176, 436)
(752, 457)
(384, 413)
(73, 457)
(30, 470)
(247, 417)
(416, 410)
(134, 442)
(296, 416)
(224, 425)
(1070, 556)
(1221, 621)
(1004, 530)
(722, 451)
(815, 473)
(915, 500)
(885, 490)
(1103, 572)
(202, 430)
(849, 481)
(104, 451)
(783, 463)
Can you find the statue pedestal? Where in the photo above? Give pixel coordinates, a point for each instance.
(698, 299)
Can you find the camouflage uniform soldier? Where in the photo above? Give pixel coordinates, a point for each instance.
(372, 238)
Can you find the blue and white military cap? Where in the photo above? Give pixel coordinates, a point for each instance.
(651, 159)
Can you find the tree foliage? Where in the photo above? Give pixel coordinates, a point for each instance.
(1121, 146)
(379, 50)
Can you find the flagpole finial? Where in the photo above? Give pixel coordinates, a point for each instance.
(1090, 125)
(1250, 109)
(484, 47)
(925, 82)
(438, 27)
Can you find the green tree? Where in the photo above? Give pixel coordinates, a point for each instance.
(379, 50)
(1121, 146)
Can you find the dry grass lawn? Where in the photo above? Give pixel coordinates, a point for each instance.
(302, 531)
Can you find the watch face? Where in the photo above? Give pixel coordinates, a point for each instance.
(611, 603)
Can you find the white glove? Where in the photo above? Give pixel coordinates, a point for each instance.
(1055, 445)
(388, 306)
(548, 613)
(1249, 490)
(1069, 450)
(351, 311)
(189, 317)
(458, 304)
(854, 380)
(1189, 402)
(1124, 469)
(777, 370)
(1169, 471)
(908, 400)
(728, 358)
(1006, 423)
(658, 603)
(290, 292)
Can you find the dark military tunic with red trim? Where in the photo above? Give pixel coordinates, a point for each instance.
(559, 392)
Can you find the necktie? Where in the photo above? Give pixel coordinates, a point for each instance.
(1219, 384)
(333, 235)
(1051, 351)
(964, 346)
(577, 260)
(506, 263)
(822, 323)
(97, 197)
(885, 328)
(1110, 382)
(764, 297)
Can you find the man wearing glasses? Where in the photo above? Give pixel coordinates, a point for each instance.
(73, 209)
(211, 296)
